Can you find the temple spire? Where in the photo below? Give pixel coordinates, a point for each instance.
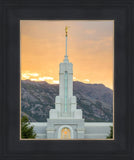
(66, 57)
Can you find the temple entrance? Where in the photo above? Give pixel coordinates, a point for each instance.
(65, 133)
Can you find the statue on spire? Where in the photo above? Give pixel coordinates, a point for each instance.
(66, 29)
(66, 57)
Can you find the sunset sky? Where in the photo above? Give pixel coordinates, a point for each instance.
(90, 49)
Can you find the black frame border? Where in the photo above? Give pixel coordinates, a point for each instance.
(10, 13)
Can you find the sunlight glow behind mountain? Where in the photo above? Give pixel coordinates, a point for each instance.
(90, 49)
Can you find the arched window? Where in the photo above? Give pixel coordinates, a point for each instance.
(65, 133)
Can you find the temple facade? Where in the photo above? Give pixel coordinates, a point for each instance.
(65, 121)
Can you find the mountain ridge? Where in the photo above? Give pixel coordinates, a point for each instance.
(95, 100)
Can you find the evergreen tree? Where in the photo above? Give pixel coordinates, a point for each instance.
(111, 133)
(27, 130)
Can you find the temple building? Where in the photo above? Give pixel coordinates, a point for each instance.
(65, 121)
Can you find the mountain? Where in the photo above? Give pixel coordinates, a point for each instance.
(95, 100)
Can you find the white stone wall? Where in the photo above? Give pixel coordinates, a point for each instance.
(40, 129)
(97, 130)
(92, 130)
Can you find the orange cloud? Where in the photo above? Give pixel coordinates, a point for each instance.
(90, 31)
(90, 49)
